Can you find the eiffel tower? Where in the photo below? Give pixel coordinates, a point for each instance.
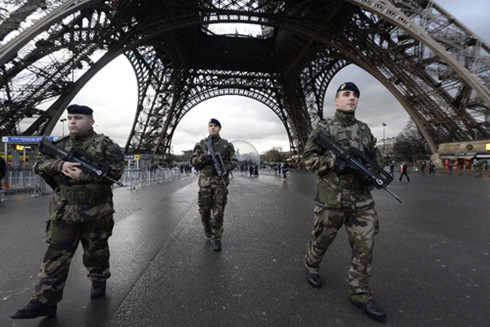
(434, 66)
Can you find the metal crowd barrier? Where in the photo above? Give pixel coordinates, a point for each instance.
(20, 181)
(25, 181)
(137, 178)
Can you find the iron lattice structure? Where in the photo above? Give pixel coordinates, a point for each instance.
(435, 67)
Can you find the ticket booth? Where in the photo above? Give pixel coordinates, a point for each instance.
(20, 154)
(137, 161)
(20, 151)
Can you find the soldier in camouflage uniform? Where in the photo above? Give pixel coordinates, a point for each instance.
(213, 189)
(344, 198)
(80, 211)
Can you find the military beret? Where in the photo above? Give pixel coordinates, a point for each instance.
(78, 109)
(215, 121)
(349, 86)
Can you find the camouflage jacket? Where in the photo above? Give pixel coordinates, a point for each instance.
(208, 176)
(90, 197)
(334, 190)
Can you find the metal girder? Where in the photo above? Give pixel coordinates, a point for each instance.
(13, 16)
(435, 67)
(443, 60)
(155, 93)
(44, 70)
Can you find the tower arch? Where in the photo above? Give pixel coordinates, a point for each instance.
(434, 66)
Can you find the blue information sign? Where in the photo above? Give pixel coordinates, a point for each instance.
(26, 139)
(137, 156)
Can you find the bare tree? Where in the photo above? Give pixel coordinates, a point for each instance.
(274, 155)
(410, 144)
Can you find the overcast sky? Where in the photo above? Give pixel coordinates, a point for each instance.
(112, 94)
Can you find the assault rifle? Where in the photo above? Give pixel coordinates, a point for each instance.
(88, 163)
(219, 165)
(359, 159)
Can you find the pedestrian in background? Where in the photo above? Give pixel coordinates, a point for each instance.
(432, 167)
(213, 192)
(81, 211)
(3, 171)
(478, 167)
(422, 167)
(392, 168)
(344, 198)
(404, 171)
(284, 168)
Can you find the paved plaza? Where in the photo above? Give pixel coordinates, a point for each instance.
(431, 262)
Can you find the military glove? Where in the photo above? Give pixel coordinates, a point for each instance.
(366, 179)
(342, 167)
(206, 159)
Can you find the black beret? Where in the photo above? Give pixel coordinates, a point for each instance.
(215, 121)
(349, 86)
(81, 110)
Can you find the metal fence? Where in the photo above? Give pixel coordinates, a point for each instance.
(137, 178)
(19, 180)
(25, 181)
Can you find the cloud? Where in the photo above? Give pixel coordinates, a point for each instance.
(241, 118)
(112, 94)
(472, 14)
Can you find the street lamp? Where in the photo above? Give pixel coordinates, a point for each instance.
(62, 120)
(384, 146)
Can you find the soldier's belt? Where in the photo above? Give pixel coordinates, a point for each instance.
(75, 195)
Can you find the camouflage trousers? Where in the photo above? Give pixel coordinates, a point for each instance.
(212, 202)
(62, 238)
(361, 226)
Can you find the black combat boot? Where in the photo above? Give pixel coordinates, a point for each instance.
(314, 279)
(98, 289)
(217, 246)
(371, 309)
(35, 309)
(207, 232)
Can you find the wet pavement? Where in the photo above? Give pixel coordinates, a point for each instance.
(431, 261)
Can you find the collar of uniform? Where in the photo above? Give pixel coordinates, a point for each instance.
(77, 138)
(345, 117)
(214, 138)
